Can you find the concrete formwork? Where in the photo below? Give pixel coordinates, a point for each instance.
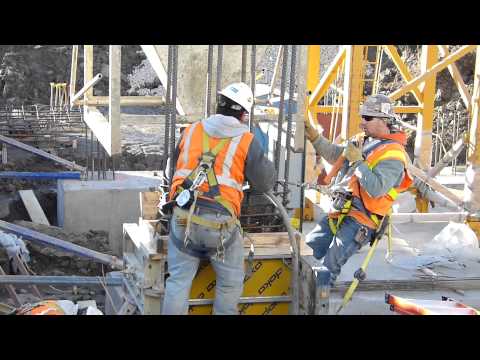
(104, 204)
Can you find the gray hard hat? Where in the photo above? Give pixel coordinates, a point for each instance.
(378, 106)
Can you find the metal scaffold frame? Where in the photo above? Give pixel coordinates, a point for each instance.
(351, 62)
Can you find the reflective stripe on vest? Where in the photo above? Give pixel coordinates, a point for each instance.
(228, 167)
(187, 142)
(232, 149)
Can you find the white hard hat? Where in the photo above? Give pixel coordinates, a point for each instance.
(239, 93)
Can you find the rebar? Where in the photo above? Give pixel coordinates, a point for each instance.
(173, 110)
(253, 62)
(283, 82)
(291, 91)
(168, 106)
(209, 81)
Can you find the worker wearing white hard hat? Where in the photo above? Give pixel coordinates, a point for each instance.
(212, 160)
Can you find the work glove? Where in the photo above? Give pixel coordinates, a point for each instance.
(311, 133)
(352, 153)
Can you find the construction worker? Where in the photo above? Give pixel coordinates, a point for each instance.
(212, 159)
(372, 174)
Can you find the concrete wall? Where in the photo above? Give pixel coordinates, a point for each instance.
(103, 205)
(192, 72)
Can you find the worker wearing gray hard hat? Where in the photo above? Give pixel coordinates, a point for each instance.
(372, 171)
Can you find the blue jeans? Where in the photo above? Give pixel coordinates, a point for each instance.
(334, 251)
(183, 267)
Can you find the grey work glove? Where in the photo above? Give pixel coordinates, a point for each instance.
(352, 153)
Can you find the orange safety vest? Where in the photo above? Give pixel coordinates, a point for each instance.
(228, 168)
(380, 205)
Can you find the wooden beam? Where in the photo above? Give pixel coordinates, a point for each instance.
(87, 68)
(433, 70)
(124, 101)
(457, 77)
(391, 51)
(73, 70)
(435, 185)
(153, 56)
(327, 78)
(33, 207)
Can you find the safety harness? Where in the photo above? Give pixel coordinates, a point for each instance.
(189, 189)
(334, 224)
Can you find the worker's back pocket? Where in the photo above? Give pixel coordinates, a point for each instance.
(204, 238)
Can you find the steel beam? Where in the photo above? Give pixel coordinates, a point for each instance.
(41, 153)
(51, 241)
(472, 175)
(153, 56)
(40, 175)
(73, 70)
(423, 139)
(391, 50)
(352, 90)
(433, 70)
(397, 109)
(457, 77)
(245, 300)
(124, 101)
(85, 88)
(59, 280)
(327, 78)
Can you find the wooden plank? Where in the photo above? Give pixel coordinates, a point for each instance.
(115, 59)
(149, 204)
(33, 207)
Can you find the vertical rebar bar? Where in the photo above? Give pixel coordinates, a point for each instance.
(209, 81)
(283, 82)
(253, 63)
(91, 152)
(173, 108)
(291, 91)
(168, 107)
(98, 160)
(244, 63)
(219, 68)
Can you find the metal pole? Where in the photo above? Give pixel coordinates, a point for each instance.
(51, 241)
(280, 113)
(291, 91)
(173, 108)
(219, 68)
(168, 106)
(253, 63)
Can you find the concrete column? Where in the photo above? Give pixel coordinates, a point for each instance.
(114, 97)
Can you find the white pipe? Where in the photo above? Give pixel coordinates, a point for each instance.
(87, 86)
(401, 218)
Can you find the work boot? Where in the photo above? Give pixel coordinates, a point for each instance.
(322, 293)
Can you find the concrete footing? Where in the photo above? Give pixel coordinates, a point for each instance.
(103, 204)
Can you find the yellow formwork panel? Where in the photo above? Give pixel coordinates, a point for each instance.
(270, 277)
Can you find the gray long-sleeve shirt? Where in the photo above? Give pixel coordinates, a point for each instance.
(376, 182)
